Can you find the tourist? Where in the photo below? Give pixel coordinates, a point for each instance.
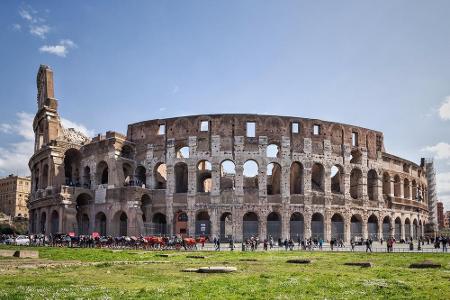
(231, 245)
(286, 244)
(331, 244)
(352, 244)
(265, 242)
(320, 244)
(368, 245)
(444, 241)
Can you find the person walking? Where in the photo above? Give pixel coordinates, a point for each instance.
(368, 245)
(352, 244)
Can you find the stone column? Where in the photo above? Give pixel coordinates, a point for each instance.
(402, 229)
(239, 179)
(263, 226)
(285, 224)
(191, 223)
(307, 225)
(365, 233)
(237, 224)
(392, 227)
(214, 223)
(347, 229)
(327, 225)
(380, 227)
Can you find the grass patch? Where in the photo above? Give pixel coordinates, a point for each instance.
(269, 277)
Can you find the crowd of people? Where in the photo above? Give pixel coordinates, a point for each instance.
(250, 244)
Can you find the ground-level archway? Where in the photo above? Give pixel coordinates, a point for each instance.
(372, 227)
(274, 226)
(386, 228)
(100, 223)
(398, 229)
(356, 233)
(181, 223)
(337, 227)
(159, 224)
(317, 228)
(296, 226)
(202, 224)
(250, 225)
(226, 226)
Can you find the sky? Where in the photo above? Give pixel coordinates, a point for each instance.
(383, 65)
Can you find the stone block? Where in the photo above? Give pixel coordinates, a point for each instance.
(27, 254)
(7, 253)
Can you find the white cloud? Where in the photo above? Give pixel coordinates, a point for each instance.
(26, 13)
(443, 188)
(162, 109)
(14, 156)
(444, 110)
(16, 27)
(79, 127)
(61, 49)
(39, 30)
(440, 150)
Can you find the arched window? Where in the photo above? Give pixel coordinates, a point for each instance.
(181, 178)
(250, 175)
(127, 174)
(296, 176)
(183, 152)
(386, 184)
(204, 181)
(102, 173)
(406, 189)
(356, 183)
(127, 152)
(72, 160)
(274, 226)
(317, 177)
(227, 175)
(272, 150)
(273, 179)
(356, 157)
(45, 173)
(337, 179)
(160, 176)
(397, 185)
(337, 227)
(250, 226)
(372, 184)
(140, 176)
(87, 177)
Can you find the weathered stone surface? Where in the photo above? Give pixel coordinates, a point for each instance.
(359, 264)
(425, 265)
(7, 253)
(218, 269)
(298, 261)
(27, 254)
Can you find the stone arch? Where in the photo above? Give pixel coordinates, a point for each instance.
(296, 178)
(397, 185)
(250, 226)
(406, 189)
(317, 177)
(226, 226)
(415, 229)
(250, 175)
(127, 170)
(386, 227)
(54, 222)
(356, 183)
(337, 227)
(183, 152)
(414, 189)
(337, 179)
(273, 151)
(227, 175)
(102, 173)
(204, 181)
(120, 222)
(181, 177)
(45, 175)
(159, 224)
(317, 226)
(372, 227)
(386, 184)
(274, 225)
(356, 232)
(202, 224)
(100, 223)
(356, 156)
(273, 179)
(140, 176)
(72, 161)
(160, 176)
(43, 223)
(146, 206)
(181, 223)
(87, 177)
(372, 184)
(83, 203)
(407, 229)
(127, 152)
(398, 229)
(297, 226)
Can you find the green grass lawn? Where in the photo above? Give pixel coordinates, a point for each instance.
(270, 277)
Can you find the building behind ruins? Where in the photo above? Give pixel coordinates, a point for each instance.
(14, 192)
(227, 175)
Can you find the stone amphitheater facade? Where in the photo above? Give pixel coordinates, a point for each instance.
(227, 175)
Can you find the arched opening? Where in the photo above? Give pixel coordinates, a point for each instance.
(317, 178)
(183, 152)
(397, 185)
(159, 224)
(296, 178)
(43, 223)
(72, 160)
(103, 173)
(355, 157)
(296, 226)
(398, 229)
(123, 224)
(386, 184)
(181, 178)
(372, 185)
(414, 190)
(273, 179)
(100, 223)
(45, 172)
(226, 226)
(415, 229)
(317, 231)
(337, 227)
(204, 181)
(407, 229)
(127, 152)
(406, 189)
(127, 174)
(386, 227)
(202, 224)
(82, 206)
(87, 177)
(356, 233)
(274, 226)
(372, 227)
(160, 176)
(250, 176)
(250, 225)
(337, 179)
(140, 176)
(356, 184)
(54, 222)
(227, 175)
(181, 223)
(83, 228)
(146, 208)
(272, 150)
(36, 179)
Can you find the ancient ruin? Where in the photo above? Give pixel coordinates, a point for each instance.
(227, 175)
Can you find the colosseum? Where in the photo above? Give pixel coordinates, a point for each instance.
(224, 175)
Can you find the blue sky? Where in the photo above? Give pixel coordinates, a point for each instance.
(383, 65)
